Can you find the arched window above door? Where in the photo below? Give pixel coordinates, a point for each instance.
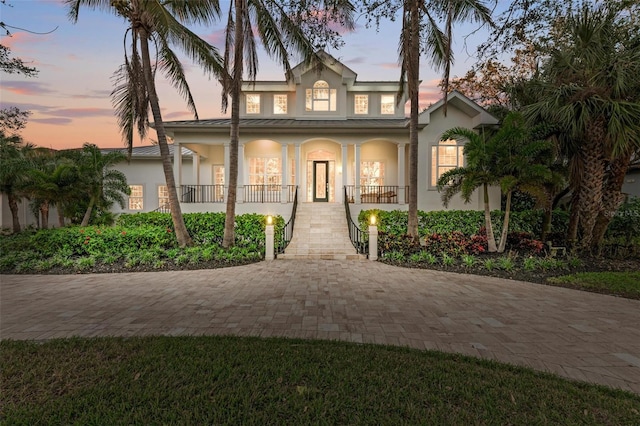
(321, 98)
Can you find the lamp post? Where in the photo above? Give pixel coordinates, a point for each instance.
(373, 238)
(269, 240)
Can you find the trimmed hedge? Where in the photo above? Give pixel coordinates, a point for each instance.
(468, 222)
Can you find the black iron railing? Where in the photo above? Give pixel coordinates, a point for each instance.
(202, 193)
(358, 237)
(267, 193)
(374, 194)
(287, 232)
(164, 208)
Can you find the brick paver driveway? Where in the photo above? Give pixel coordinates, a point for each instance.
(576, 334)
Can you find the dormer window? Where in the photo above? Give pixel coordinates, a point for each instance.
(253, 104)
(321, 97)
(279, 104)
(361, 104)
(387, 104)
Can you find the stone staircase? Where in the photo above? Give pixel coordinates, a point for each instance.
(320, 232)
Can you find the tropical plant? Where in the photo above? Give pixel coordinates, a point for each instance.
(14, 163)
(479, 152)
(48, 182)
(282, 29)
(590, 90)
(162, 23)
(101, 184)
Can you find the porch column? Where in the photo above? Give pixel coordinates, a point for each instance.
(356, 157)
(284, 197)
(401, 167)
(177, 168)
(345, 166)
(196, 169)
(240, 186)
(227, 161)
(298, 180)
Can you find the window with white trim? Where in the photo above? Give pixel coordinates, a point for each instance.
(265, 171)
(361, 104)
(136, 198)
(387, 104)
(371, 173)
(446, 155)
(253, 103)
(279, 104)
(321, 97)
(163, 196)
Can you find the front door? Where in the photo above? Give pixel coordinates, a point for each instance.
(321, 181)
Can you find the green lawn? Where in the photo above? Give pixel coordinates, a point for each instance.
(233, 380)
(625, 284)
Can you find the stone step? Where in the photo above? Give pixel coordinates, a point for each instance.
(320, 232)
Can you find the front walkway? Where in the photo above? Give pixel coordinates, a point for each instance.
(575, 334)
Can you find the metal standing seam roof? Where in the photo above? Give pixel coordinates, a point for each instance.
(150, 151)
(292, 124)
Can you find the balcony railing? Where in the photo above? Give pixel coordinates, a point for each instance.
(202, 194)
(268, 193)
(252, 193)
(376, 194)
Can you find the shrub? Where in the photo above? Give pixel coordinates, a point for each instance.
(468, 260)
(447, 260)
(523, 242)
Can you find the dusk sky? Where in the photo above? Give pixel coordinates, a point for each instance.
(70, 97)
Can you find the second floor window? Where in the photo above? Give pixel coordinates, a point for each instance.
(253, 104)
(321, 97)
(387, 104)
(136, 198)
(361, 104)
(279, 104)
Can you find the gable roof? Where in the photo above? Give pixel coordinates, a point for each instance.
(328, 61)
(480, 115)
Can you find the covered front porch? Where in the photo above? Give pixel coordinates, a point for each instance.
(370, 171)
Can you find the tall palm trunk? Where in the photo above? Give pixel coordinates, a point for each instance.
(548, 214)
(182, 235)
(611, 198)
(87, 213)
(491, 239)
(505, 224)
(590, 194)
(60, 216)
(413, 77)
(234, 135)
(13, 206)
(44, 212)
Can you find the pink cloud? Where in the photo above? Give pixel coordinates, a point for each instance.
(55, 121)
(388, 65)
(82, 112)
(93, 94)
(177, 114)
(27, 88)
(215, 38)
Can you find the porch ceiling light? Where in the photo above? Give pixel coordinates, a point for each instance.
(269, 220)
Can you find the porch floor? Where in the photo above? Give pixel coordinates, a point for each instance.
(320, 232)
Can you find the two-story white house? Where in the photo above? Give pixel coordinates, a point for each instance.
(326, 134)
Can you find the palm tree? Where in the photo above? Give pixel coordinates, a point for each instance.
(14, 163)
(99, 182)
(163, 24)
(48, 181)
(521, 162)
(281, 33)
(479, 152)
(591, 93)
(420, 33)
